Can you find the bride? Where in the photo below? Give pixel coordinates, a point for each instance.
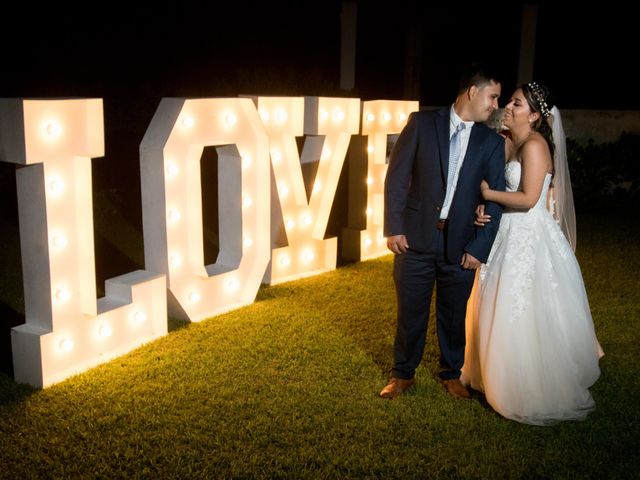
(531, 344)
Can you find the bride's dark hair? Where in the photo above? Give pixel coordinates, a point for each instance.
(540, 99)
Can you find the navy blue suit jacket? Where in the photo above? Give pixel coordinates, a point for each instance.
(416, 181)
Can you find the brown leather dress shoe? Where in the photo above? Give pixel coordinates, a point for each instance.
(455, 388)
(396, 387)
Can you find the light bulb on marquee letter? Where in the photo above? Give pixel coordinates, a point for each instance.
(174, 215)
(54, 195)
(381, 118)
(62, 294)
(283, 190)
(139, 317)
(56, 186)
(308, 255)
(306, 219)
(233, 285)
(230, 119)
(276, 156)
(299, 222)
(66, 345)
(172, 170)
(175, 260)
(58, 240)
(105, 331)
(281, 115)
(187, 122)
(233, 126)
(284, 261)
(54, 129)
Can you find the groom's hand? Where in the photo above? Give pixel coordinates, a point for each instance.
(397, 244)
(469, 262)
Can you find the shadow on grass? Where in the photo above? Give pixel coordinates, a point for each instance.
(10, 318)
(479, 397)
(348, 299)
(12, 392)
(176, 324)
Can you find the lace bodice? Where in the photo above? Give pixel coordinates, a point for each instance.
(519, 232)
(513, 172)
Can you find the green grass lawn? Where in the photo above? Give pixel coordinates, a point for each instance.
(287, 388)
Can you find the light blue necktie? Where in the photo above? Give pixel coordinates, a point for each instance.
(455, 145)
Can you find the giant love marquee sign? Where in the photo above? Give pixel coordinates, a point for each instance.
(270, 229)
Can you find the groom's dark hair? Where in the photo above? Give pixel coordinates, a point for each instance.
(479, 75)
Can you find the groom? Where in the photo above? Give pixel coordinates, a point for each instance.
(430, 197)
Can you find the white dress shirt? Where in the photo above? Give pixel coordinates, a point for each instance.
(464, 142)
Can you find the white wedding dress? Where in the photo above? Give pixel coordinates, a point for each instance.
(531, 345)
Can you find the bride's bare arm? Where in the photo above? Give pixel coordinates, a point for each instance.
(536, 162)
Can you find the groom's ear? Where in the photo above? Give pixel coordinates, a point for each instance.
(472, 91)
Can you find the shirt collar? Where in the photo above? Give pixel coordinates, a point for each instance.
(455, 120)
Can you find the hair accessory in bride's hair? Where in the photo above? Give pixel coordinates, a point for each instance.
(536, 91)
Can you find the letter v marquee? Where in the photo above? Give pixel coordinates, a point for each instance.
(328, 124)
(66, 330)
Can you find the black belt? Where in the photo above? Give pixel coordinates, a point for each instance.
(442, 222)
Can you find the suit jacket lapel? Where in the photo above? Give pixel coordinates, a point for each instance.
(442, 127)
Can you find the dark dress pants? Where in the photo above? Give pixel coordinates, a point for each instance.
(415, 274)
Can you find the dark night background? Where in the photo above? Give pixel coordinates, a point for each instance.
(133, 56)
(137, 55)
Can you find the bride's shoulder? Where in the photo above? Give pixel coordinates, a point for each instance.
(535, 153)
(535, 138)
(535, 145)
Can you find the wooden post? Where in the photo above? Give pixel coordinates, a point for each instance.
(348, 19)
(527, 43)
